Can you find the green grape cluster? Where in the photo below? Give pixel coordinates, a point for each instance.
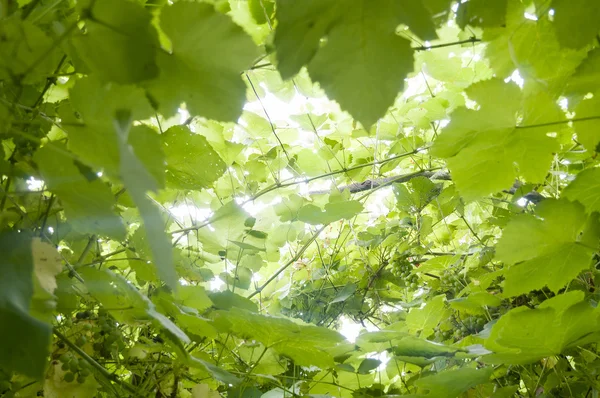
(106, 335)
(450, 281)
(76, 369)
(401, 268)
(442, 335)
(469, 325)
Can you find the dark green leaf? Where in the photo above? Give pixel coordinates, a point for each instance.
(24, 340)
(193, 73)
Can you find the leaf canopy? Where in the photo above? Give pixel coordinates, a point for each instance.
(273, 198)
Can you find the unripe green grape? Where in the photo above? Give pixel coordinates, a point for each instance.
(84, 364)
(87, 326)
(65, 367)
(80, 379)
(84, 372)
(69, 377)
(64, 358)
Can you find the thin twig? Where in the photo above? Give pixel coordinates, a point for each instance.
(455, 43)
(292, 261)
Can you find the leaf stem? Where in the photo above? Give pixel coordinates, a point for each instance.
(576, 119)
(455, 43)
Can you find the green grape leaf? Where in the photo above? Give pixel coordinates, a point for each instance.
(138, 182)
(26, 51)
(261, 10)
(147, 146)
(585, 189)
(576, 21)
(253, 262)
(476, 302)
(120, 43)
(227, 299)
(588, 131)
(92, 136)
(482, 146)
(544, 250)
(47, 263)
(24, 340)
(586, 78)
(203, 69)
(524, 335)
(195, 297)
(88, 205)
(367, 365)
(427, 318)
(422, 191)
(406, 345)
(302, 342)
(191, 162)
(482, 13)
(124, 302)
(227, 225)
(196, 325)
(344, 294)
(334, 211)
(380, 59)
(533, 49)
(452, 383)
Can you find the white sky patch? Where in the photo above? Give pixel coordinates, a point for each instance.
(349, 329)
(381, 356)
(444, 123)
(184, 212)
(276, 108)
(516, 77)
(34, 185)
(563, 103)
(285, 174)
(216, 284)
(254, 208)
(522, 202)
(414, 85)
(378, 203)
(50, 230)
(530, 16)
